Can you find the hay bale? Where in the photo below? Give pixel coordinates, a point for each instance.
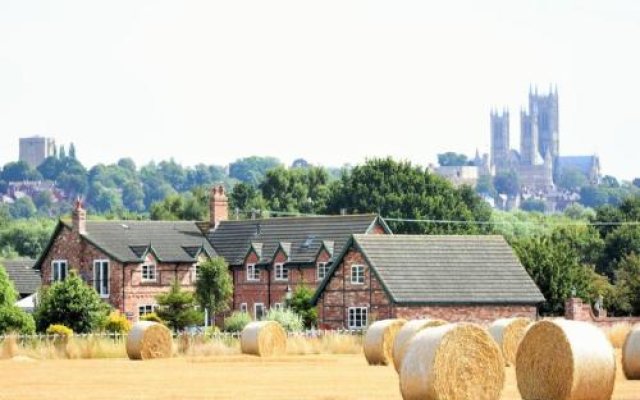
(263, 338)
(378, 341)
(631, 354)
(405, 333)
(508, 332)
(565, 360)
(148, 340)
(453, 361)
(9, 347)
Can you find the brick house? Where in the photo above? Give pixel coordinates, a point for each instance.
(269, 258)
(455, 278)
(127, 262)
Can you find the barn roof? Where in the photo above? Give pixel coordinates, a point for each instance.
(26, 279)
(420, 269)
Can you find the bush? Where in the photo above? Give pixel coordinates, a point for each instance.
(60, 330)
(153, 317)
(300, 303)
(236, 321)
(289, 320)
(72, 303)
(13, 319)
(117, 323)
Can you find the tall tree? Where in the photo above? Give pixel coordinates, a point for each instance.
(451, 159)
(19, 171)
(214, 287)
(507, 183)
(12, 318)
(252, 169)
(178, 308)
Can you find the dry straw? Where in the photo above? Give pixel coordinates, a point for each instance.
(565, 360)
(148, 340)
(631, 354)
(378, 341)
(407, 331)
(453, 362)
(508, 332)
(263, 338)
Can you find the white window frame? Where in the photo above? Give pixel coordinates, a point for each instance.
(56, 270)
(152, 307)
(155, 272)
(356, 276)
(97, 283)
(243, 307)
(281, 273)
(321, 266)
(364, 317)
(255, 310)
(253, 273)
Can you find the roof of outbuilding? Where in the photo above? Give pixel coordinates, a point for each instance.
(446, 269)
(303, 235)
(25, 278)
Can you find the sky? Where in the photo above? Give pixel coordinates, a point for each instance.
(333, 82)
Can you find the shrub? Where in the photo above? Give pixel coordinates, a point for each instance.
(117, 323)
(153, 317)
(236, 321)
(60, 330)
(289, 320)
(13, 319)
(177, 308)
(300, 303)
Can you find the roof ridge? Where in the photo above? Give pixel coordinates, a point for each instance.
(297, 217)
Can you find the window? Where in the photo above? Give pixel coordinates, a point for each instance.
(243, 307)
(101, 277)
(321, 270)
(59, 269)
(278, 306)
(357, 274)
(253, 273)
(149, 273)
(258, 311)
(357, 317)
(146, 309)
(282, 272)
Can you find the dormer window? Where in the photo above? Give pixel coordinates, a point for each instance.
(321, 270)
(149, 273)
(253, 273)
(281, 272)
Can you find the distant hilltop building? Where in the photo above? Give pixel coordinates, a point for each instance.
(538, 162)
(33, 150)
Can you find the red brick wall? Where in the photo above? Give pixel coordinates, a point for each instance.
(377, 229)
(80, 255)
(577, 310)
(340, 294)
(481, 314)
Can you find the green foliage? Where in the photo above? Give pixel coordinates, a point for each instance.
(236, 322)
(214, 286)
(290, 321)
(8, 293)
(507, 182)
(533, 205)
(303, 190)
(23, 208)
(19, 171)
(72, 303)
(178, 308)
(117, 323)
(27, 238)
(153, 317)
(571, 179)
(252, 170)
(628, 285)
(300, 303)
(60, 330)
(246, 197)
(451, 159)
(401, 190)
(485, 186)
(192, 206)
(13, 319)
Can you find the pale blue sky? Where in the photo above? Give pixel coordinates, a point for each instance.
(331, 81)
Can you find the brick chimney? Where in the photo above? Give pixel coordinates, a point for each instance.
(218, 206)
(79, 217)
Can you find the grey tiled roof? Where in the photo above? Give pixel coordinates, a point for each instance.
(26, 279)
(129, 241)
(231, 239)
(449, 269)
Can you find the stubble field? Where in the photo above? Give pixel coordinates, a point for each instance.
(222, 377)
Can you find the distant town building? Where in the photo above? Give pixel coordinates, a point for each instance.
(500, 140)
(33, 150)
(458, 174)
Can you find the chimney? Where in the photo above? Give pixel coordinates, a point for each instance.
(218, 206)
(79, 217)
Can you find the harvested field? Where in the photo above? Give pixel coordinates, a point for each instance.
(221, 377)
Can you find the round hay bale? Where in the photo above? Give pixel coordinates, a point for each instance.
(565, 360)
(453, 361)
(148, 340)
(405, 333)
(508, 332)
(631, 354)
(263, 338)
(378, 341)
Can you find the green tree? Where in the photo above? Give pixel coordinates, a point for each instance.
(8, 293)
(556, 270)
(178, 308)
(300, 303)
(245, 197)
(191, 206)
(628, 285)
(27, 237)
(72, 151)
(51, 168)
(71, 303)
(303, 190)
(12, 318)
(572, 179)
(133, 196)
(19, 171)
(533, 205)
(451, 159)
(484, 186)
(23, 208)
(214, 287)
(252, 170)
(507, 182)
(401, 190)
(619, 244)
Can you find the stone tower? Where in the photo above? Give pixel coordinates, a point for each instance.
(546, 107)
(500, 140)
